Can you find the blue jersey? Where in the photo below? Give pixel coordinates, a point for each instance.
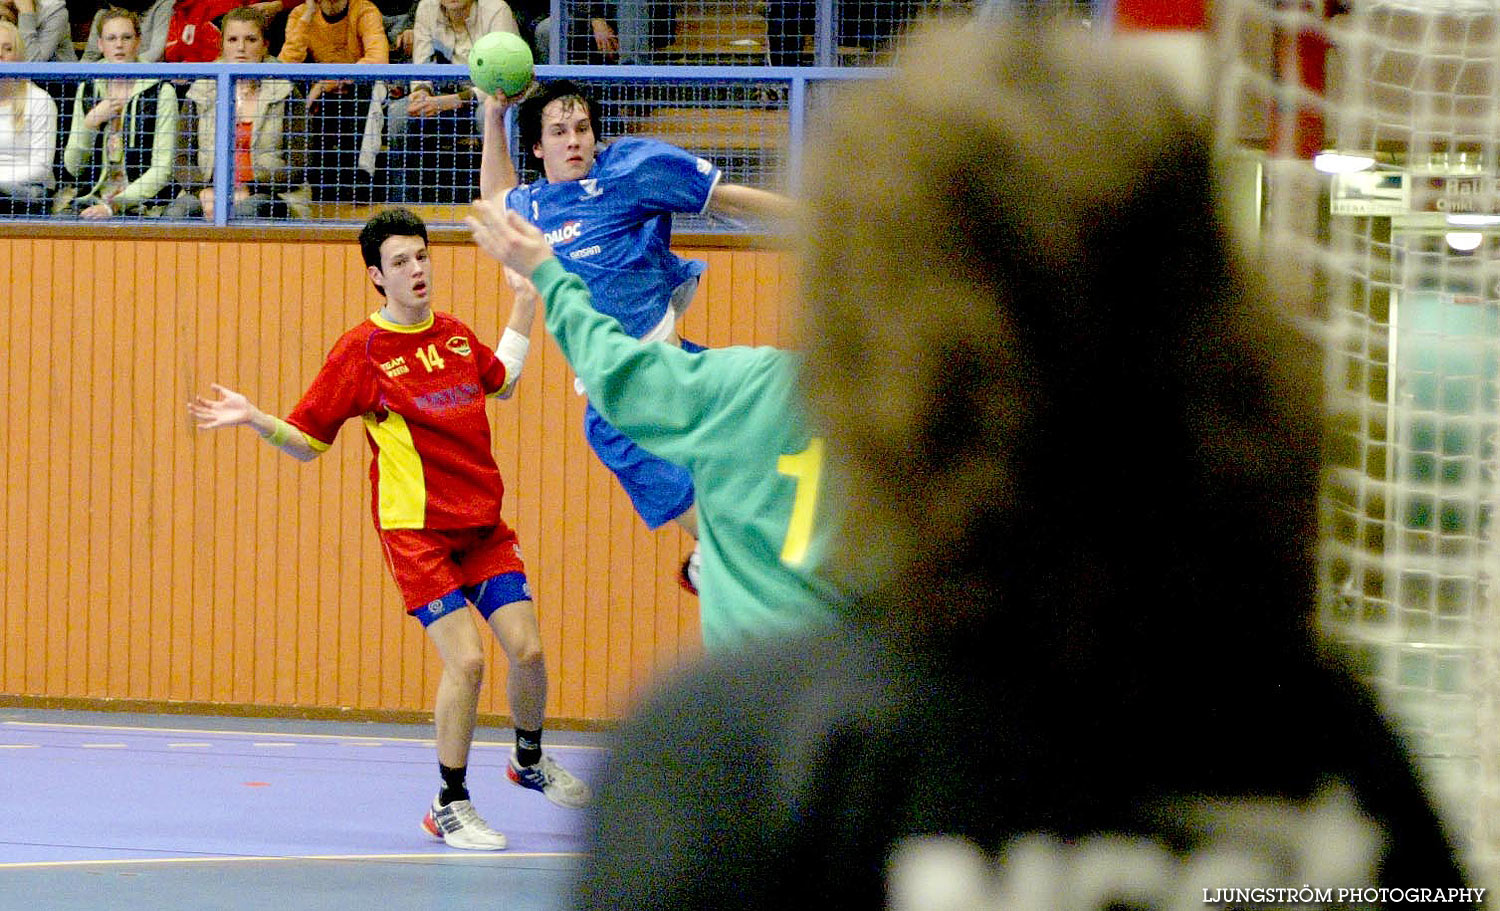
(613, 228)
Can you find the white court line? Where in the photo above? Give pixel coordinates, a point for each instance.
(466, 856)
(428, 741)
(190, 746)
(270, 745)
(19, 746)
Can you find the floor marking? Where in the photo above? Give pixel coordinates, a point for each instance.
(428, 741)
(19, 746)
(239, 858)
(268, 744)
(190, 746)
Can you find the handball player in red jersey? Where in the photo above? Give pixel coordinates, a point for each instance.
(419, 380)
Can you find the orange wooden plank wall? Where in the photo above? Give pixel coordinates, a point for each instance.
(142, 559)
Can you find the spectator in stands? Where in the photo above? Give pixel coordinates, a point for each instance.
(269, 139)
(400, 18)
(435, 131)
(45, 30)
(621, 31)
(643, 27)
(344, 115)
(533, 17)
(9, 12)
(28, 135)
(192, 36)
(152, 25)
(123, 134)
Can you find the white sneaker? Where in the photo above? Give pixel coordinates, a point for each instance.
(461, 826)
(557, 783)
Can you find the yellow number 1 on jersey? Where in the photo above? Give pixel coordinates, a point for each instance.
(806, 468)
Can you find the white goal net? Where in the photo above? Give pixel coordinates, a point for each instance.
(1402, 255)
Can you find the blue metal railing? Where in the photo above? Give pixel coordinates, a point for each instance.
(795, 80)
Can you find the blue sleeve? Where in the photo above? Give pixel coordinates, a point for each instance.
(662, 177)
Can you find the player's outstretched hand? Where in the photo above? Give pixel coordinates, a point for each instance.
(519, 284)
(507, 237)
(229, 410)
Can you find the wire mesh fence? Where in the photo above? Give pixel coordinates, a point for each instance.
(734, 81)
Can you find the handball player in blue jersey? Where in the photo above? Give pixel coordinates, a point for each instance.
(607, 211)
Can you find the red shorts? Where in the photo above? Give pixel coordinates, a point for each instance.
(429, 563)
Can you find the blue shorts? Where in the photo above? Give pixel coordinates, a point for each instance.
(659, 490)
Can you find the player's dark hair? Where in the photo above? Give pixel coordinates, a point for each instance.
(530, 113)
(388, 223)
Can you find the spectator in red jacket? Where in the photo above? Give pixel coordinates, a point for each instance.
(192, 36)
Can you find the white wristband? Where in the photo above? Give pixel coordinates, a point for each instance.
(512, 353)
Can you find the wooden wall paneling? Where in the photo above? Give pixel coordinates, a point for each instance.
(266, 321)
(562, 633)
(151, 430)
(97, 503)
(130, 402)
(21, 450)
(766, 323)
(212, 461)
(13, 263)
(285, 498)
(204, 567)
(46, 632)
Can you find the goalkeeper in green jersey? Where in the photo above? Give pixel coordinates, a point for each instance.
(730, 416)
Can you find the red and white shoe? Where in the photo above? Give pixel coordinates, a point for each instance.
(558, 784)
(461, 826)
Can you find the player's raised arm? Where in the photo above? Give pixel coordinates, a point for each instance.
(497, 172)
(232, 409)
(737, 200)
(515, 341)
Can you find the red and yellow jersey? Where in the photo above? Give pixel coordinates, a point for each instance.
(421, 391)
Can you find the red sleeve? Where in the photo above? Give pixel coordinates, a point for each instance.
(491, 370)
(343, 389)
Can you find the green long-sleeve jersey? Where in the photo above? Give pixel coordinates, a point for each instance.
(732, 417)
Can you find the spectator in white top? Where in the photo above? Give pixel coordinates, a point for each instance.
(433, 118)
(28, 135)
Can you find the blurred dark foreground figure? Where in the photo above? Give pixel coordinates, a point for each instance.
(1082, 449)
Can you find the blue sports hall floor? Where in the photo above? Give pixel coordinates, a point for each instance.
(123, 812)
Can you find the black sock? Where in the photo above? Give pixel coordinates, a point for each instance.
(454, 784)
(528, 747)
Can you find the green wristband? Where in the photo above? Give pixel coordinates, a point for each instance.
(281, 431)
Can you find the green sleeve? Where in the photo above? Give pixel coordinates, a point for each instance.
(657, 394)
(163, 150)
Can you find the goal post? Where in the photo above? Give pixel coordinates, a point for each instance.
(1377, 126)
